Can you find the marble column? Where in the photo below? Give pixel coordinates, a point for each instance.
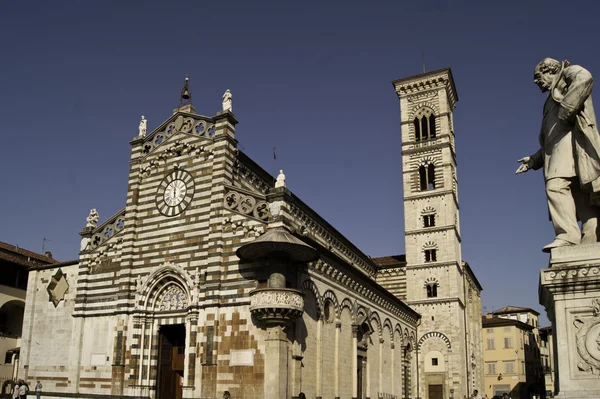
(154, 331)
(142, 321)
(380, 379)
(319, 357)
(392, 371)
(336, 375)
(354, 361)
(187, 390)
(276, 350)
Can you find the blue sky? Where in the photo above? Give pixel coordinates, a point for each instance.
(313, 79)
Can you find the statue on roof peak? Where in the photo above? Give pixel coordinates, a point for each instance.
(142, 127)
(227, 104)
(280, 179)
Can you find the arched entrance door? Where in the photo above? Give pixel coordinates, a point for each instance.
(171, 360)
(165, 300)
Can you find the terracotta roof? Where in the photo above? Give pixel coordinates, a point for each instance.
(514, 309)
(499, 321)
(14, 254)
(55, 265)
(390, 261)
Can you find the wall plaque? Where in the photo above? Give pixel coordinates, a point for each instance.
(241, 357)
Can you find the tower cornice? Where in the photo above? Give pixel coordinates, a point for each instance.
(417, 84)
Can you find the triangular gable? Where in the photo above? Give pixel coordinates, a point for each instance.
(181, 122)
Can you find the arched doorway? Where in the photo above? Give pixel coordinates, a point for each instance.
(11, 319)
(164, 308)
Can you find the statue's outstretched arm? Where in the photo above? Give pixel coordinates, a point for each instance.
(534, 162)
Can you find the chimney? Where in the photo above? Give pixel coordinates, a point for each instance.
(48, 254)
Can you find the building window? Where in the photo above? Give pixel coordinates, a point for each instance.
(428, 220)
(506, 329)
(509, 367)
(491, 343)
(424, 127)
(430, 255)
(508, 344)
(490, 330)
(329, 311)
(491, 367)
(434, 361)
(431, 290)
(427, 177)
(523, 367)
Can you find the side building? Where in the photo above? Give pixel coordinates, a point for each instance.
(15, 263)
(214, 279)
(432, 276)
(513, 361)
(547, 360)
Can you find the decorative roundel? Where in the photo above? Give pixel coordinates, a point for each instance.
(175, 193)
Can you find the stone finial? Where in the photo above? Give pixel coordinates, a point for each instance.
(92, 219)
(280, 179)
(227, 104)
(142, 127)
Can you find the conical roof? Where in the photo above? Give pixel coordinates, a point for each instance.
(277, 240)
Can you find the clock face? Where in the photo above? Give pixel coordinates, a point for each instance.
(175, 193)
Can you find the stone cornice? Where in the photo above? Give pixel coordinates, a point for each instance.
(430, 265)
(367, 289)
(427, 230)
(436, 301)
(570, 279)
(391, 271)
(430, 194)
(327, 236)
(253, 173)
(430, 145)
(441, 78)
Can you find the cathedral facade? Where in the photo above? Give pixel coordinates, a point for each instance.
(215, 281)
(432, 276)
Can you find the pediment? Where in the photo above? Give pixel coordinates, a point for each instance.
(180, 123)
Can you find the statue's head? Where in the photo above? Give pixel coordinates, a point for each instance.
(545, 73)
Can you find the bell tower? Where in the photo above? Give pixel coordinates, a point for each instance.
(437, 279)
(429, 171)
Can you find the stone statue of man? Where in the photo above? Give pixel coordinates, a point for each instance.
(227, 104)
(569, 152)
(142, 126)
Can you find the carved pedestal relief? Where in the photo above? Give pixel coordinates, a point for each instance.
(587, 338)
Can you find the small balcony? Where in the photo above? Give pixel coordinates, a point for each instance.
(276, 305)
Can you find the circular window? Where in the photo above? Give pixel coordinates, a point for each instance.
(329, 311)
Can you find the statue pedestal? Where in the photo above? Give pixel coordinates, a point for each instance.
(570, 291)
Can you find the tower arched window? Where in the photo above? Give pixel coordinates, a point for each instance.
(431, 287)
(430, 255)
(424, 124)
(427, 177)
(428, 216)
(430, 251)
(431, 290)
